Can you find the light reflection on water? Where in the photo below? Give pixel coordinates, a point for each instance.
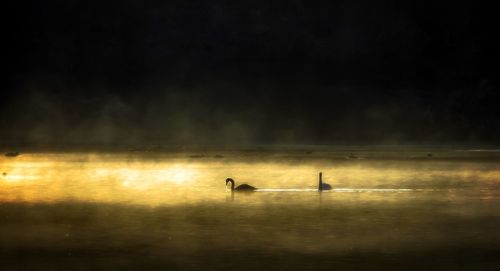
(124, 178)
(177, 210)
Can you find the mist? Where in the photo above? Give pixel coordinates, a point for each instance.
(225, 73)
(218, 114)
(249, 135)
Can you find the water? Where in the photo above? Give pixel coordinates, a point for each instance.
(400, 209)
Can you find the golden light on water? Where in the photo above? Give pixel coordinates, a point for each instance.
(174, 204)
(176, 179)
(147, 177)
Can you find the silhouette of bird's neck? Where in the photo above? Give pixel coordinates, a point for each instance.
(320, 184)
(229, 180)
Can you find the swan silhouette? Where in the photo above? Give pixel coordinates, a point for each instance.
(322, 185)
(241, 187)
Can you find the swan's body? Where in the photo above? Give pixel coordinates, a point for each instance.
(241, 187)
(325, 186)
(322, 185)
(11, 154)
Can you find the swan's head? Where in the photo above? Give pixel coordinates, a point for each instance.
(229, 180)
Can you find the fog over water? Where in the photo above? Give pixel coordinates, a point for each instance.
(121, 120)
(172, 209)
(165, 178)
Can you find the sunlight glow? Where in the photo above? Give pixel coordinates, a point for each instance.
(148, 178)
(174, 180)
(19, 178)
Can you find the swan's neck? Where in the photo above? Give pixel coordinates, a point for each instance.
(232, 184)
(320, 183)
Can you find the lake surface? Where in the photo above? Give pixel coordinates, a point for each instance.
(159, 210)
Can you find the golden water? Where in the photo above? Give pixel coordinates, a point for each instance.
(175, 208)
(179, 179)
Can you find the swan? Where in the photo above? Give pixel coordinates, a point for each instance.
(241, 187)
(11, 154)
(322, 185)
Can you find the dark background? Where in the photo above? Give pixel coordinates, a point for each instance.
(245, 72)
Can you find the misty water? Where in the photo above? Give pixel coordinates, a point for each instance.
(398, 209)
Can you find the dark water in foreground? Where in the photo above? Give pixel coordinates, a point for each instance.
(112, 211)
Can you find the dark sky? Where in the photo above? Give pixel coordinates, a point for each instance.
(242, 72)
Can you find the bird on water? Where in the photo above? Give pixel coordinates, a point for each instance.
(241, 187)
(322, 185)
